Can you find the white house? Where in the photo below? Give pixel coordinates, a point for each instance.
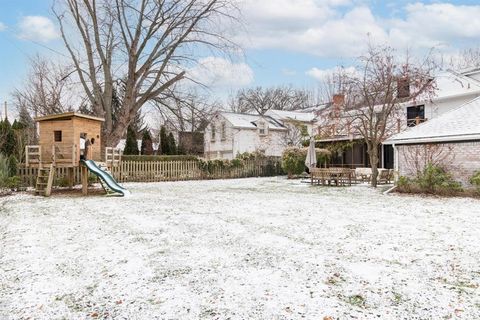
(230, 134)
(453, 89)
(451, 140)
(294, 118)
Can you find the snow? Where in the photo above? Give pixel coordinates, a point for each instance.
(247, 121)
(458, 124)
(266, 248)
(450, 83)
(282, 115)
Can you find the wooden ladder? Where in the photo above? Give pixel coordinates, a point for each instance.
(45, 181)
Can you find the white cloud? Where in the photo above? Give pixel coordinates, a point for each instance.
(219, 72)
(2, 26)
(340, 28)
(37, 28)
(436, 24)
(315, 27)
(324, 74)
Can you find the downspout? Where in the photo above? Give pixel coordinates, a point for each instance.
(395, 163)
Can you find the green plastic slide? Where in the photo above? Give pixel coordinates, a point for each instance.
(108, 179)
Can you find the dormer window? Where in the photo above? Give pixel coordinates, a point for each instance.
(415, 115)
(262, 128)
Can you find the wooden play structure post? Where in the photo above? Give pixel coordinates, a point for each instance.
(84, 173)
(61, 142)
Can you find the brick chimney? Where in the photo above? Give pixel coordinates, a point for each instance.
(338, 99)
(403, 87)
(338, 103)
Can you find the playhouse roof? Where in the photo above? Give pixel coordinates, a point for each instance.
(67, 116)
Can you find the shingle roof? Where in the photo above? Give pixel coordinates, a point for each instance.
(450, 83)
(281, 115)
(247, 121)
(462, 123)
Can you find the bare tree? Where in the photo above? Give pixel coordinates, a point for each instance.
(261, 100)
(467, 58)
(384, 83)
(185, 111)
(147, 44)
(47, 88)
(338, 82)
(417, 157)
(296, 134)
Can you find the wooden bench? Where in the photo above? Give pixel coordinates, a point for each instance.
(330, 176)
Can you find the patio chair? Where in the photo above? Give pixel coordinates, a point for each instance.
(363, 174)
(384, 176)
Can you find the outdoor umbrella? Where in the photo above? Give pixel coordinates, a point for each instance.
(311, 160)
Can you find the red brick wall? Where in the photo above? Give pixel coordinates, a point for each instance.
(459, 159)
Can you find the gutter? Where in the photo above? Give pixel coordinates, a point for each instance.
(473, 137)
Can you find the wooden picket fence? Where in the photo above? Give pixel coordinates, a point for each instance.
(158, 171)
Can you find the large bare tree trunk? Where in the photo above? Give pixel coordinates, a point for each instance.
(373, 157)
(146, 45)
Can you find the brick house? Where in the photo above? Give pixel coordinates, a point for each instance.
(336, 125)
(452, 141)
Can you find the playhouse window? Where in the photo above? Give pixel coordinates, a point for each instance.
(58, 136)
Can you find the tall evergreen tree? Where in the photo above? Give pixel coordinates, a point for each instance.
(147, 144)
(171, 144)
(164, 147)
(12, 166)
(7, 138)
(26, 123)
(131, 147)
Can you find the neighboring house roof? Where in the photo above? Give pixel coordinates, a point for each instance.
(248, 121)
(460, 124)
(281, 115)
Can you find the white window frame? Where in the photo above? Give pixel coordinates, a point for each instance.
(223, 131)
(262, 125)
(213, 137)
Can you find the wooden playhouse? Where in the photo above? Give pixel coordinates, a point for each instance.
(61, 143)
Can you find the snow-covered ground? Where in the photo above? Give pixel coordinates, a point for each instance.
(239, 249)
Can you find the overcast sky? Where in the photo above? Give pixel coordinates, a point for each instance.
(286, 41)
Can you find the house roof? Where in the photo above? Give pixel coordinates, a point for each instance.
(451, 84)
(281, 115)
(121, 144)
(248, 121)
(67, 116)
(460, 124)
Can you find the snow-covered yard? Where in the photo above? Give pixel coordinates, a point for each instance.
(240, 249)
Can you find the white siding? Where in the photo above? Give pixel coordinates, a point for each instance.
(240, 140)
